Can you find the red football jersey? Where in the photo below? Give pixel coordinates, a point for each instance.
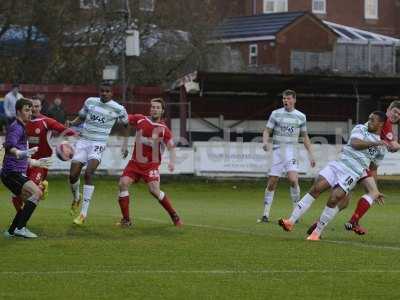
(150, 141)
(387, 132)
(39, 131)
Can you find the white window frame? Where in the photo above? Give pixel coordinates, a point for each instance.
(317, 10)
(374, 4)
(147, 7)
(92, 4)
(275, 6)
(253, 54)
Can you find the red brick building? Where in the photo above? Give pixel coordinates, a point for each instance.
(380, 16)
(300, 42)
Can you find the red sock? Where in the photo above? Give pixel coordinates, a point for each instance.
(362, 208)
(167, 205)
(124, 204)
(17, 203)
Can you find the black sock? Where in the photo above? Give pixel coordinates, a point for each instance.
(26, 213)
(14, 222)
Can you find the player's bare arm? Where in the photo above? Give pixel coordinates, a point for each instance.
(125, 128)
(358, 144)
(307, 145)
(75, 122)
(172, 156)
(267, 132)
(393, 146)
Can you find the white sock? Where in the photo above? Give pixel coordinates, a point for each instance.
(87, 196)
(327, 215)
(295, 194)
(268, 199)
(75, 189)
(301, 207)
(368, 198)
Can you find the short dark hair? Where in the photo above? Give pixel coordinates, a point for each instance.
(394, 104)
(289, 93)
(106, 83)
(36, 97)
(14, 85)
(381, 115)
(159, 100)
(19, 105)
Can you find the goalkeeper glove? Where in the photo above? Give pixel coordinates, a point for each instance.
(21, 154)
(41, 163)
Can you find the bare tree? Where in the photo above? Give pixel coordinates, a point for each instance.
(173, 39)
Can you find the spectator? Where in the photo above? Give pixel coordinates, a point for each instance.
(9, 102)
(57, 111)
(3, 118)
(45, 105)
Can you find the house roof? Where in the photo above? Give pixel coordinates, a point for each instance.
(262, 26)
(267, 26)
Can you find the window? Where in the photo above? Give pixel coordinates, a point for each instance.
(146, 5)
(271, 6)
(319, 6)
(89, 4)
(253, 52)
(371, 9)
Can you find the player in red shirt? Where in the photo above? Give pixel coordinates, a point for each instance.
(39, 130)
(152, 136)
(369, 181)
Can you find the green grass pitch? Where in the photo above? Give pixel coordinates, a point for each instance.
(220, 253)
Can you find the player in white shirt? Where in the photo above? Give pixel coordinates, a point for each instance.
(286, 125)
(98, 115)
(364, 148)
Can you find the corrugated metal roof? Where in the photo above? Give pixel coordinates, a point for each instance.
(253, 26)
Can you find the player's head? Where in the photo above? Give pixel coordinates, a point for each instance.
(289, 99)
(393, 112)
(23, 108)
(106, 91)
(36, 106)
(376, 121)
(157, 108)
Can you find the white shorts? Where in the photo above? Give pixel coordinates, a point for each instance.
(284, 159)
(337, 176)
(87, 150)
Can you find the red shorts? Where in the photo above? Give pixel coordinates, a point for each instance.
(36, 174)
(137, 171)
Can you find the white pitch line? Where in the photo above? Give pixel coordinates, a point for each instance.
(205, 272)
(229, 229)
